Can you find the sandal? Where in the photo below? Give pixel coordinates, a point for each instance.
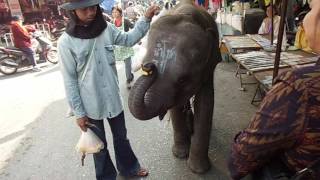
(142, 172)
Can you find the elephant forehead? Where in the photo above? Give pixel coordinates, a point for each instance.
(165, 54)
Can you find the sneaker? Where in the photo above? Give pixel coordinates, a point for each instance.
(36, 69)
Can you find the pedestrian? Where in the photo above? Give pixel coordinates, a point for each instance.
(22, 40)
(123, 53)
(91, 83)
(266, 26)
(286, 128)
(130, 12)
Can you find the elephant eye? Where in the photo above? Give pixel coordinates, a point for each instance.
(182, 81)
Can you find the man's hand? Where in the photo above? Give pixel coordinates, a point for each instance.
(151, 11)
(83, 123)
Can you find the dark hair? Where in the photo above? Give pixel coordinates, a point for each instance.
(15, 18)
(117, 9)
(275, 10)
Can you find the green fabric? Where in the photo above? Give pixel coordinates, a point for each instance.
(121, 52)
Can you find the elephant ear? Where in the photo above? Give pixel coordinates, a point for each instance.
(215, 50)
(212, 31)
(208, 24)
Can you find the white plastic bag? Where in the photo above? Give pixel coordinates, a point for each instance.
(89, 143)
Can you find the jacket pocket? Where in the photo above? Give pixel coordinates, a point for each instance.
(110, 54)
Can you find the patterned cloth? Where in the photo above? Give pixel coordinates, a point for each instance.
(121, 52)
(286, 126)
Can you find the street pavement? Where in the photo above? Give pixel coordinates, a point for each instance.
(37, 140)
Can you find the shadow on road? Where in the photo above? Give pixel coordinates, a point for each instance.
(11, 136)
(54, 69)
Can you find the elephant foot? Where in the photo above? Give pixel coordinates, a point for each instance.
(199, 166)
(180, 152)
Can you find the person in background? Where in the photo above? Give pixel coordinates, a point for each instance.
(301, 41)
(286, 126)
(130, 12)
(123, 53)
(266, 25)
(91, 83)
(22, 40)
(290, 15)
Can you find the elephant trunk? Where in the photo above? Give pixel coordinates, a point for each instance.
(141, 107)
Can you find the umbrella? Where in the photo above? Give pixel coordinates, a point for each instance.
(107, 5)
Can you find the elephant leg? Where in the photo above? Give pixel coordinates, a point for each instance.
(181, 132)
(198, 160)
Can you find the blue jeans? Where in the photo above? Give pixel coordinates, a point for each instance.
(30, 55)
(126, 161)
(129, 74)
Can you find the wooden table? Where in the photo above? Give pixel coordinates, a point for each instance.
(261, 65)
(256, 61)
(238, 44)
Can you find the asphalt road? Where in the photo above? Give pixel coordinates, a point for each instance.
(37, 141)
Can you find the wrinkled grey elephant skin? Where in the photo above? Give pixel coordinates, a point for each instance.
(182, 53)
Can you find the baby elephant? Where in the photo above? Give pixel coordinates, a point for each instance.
(182, 53)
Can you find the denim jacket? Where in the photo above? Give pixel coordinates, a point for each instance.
(98, 95)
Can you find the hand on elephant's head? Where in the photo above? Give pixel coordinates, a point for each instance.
(181, 51)
(151, 11)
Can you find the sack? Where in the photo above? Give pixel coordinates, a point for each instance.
(89, 143)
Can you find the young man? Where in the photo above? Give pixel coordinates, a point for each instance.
(22, 40)
(91, 82)
(287, 125)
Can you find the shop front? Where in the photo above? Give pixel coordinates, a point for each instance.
(31, 10)
(4, 12)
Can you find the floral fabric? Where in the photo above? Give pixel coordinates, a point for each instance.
(286, 126)
(121, 52)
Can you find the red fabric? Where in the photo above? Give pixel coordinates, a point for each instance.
(21, 36)
(118, 22)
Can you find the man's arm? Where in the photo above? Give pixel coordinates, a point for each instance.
(30, 28)
(141, 28)
(132, 37)
(275, 128)
(70, 77)
(18, 32)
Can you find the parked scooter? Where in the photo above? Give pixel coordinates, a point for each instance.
(56, 33)
(11, 58)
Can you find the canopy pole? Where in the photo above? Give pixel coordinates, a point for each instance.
(272, 17)
(280, 38)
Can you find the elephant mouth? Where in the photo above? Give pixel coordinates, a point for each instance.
(162, 114)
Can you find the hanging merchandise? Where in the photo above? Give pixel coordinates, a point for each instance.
(89, 143)
(203, 3)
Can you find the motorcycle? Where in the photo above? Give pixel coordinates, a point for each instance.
(56, 33)
(11, 58)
